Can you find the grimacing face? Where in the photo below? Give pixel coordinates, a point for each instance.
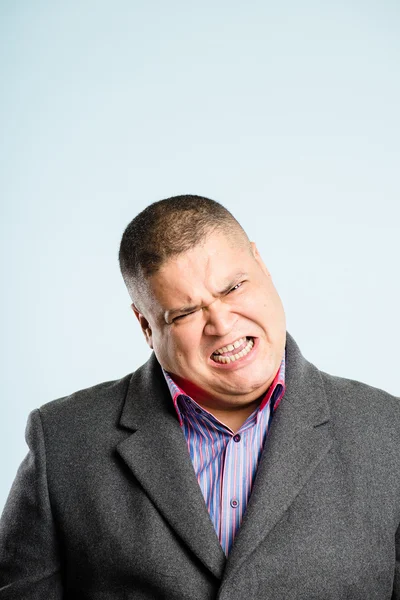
(215, 322)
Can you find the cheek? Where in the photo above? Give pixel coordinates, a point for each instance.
(188, 344)
(263, 308)
(253, 305)
(178, 348)
(269, 299)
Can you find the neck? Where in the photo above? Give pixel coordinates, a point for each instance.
(235, 418)
(226, 411)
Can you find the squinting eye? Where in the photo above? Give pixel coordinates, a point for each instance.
(181, 316)
(235, 287)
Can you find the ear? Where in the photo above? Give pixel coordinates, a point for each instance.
(258, 258)
(144, 324)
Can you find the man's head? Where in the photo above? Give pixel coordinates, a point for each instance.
(204, 299)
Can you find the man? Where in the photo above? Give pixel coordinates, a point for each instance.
(226, 467)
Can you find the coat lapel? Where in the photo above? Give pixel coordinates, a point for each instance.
(158, 456)
(298, 440)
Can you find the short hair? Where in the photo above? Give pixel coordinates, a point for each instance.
(167, 228)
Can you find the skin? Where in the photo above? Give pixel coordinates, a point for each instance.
(207, 298)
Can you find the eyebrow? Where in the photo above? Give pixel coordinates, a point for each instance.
(169, 314)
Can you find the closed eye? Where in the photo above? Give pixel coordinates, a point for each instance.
(182, 316)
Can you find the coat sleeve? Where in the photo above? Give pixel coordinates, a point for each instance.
(29, 556)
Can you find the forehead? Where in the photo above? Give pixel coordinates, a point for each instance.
(213, 258)
(201, 271)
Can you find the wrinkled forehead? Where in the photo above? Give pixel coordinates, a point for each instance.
(198, 275)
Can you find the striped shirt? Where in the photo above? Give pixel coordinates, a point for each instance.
(225, 462)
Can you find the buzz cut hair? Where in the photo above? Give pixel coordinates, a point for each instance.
(168, 228)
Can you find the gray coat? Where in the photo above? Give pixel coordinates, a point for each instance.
(107, 507)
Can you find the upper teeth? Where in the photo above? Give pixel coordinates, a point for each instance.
(228, 359)
(230, 347)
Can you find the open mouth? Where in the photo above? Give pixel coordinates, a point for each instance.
(233, 352)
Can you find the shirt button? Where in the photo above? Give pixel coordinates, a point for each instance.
(198, 411)
(234, 503)
(236, 438)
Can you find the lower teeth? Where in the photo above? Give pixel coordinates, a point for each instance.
(228, 359)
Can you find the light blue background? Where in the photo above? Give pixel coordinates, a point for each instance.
(286, 112)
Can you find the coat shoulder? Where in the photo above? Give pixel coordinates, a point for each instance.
(88, 412)
(359, 391)
(357, 402)
(97, 396)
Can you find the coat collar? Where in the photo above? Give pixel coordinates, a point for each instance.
(298, 440)
(157, 454)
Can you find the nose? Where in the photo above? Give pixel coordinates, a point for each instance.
(219, 319)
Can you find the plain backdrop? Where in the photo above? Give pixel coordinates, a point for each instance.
(286, 112)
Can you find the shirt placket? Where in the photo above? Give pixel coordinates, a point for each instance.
(232, 490)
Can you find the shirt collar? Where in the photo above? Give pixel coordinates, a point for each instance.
(276, 391)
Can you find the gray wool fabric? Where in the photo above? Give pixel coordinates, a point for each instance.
(106, 505)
